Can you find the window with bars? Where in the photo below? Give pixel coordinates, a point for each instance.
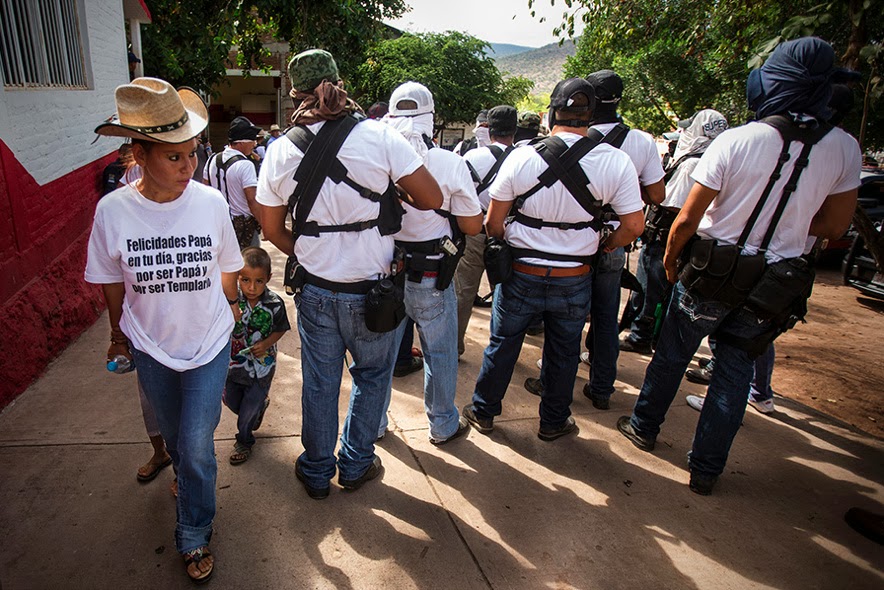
(40, 44)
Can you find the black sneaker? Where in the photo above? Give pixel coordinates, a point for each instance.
(463, 427)
(567, 428)
(600, 403)
(483, 425)
(315, 493)
(701, 376)
(702, 484)
(704, 362)
(374, 470)
(628, 345)
(624, 425)
(534, 386)
(414, 364)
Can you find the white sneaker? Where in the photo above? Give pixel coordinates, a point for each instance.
(584, 358)
(695, 401)
(539, 363)
(765, 407)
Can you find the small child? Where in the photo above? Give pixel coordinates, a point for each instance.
(253, 350)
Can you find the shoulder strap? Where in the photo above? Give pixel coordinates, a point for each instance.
(673, 166)
(789, 132)
(319, 156)
(499, 155)
(473, 173)
(617, 135)
(564, 166)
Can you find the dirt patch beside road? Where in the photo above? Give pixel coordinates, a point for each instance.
(835, 362)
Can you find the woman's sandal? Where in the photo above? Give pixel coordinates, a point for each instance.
(192, 561)
(150, 470)
(241, 454)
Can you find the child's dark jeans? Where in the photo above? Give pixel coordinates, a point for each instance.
(247, 402)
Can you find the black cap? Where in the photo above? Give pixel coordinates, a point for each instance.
(242, 129)
(502, 120)
(608, 85)
(133, 58)
(561, 96)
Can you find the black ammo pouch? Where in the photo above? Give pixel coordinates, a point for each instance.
(783, 285)
(718, 271)
(498, 259)
(658, 222)
(418, 260)
(295, 276)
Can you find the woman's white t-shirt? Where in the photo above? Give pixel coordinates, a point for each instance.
(170, 257)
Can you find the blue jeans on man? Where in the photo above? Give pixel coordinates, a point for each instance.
(187, 405)
(435, 314)
(563, 303)
(651, 276)
(330, 325)
(691, 318)
(603, 339)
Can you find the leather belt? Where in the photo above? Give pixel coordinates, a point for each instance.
(551, 271)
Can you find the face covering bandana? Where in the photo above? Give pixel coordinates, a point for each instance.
(482, 136)
(413, 129)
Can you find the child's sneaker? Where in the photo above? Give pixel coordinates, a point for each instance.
(764, 406)
(695, 401)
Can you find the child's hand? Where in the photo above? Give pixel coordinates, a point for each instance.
(259, 349)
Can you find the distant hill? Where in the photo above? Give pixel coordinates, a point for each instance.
(543, 65)
(499, 50)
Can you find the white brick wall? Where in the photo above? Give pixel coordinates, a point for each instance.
(51, 131)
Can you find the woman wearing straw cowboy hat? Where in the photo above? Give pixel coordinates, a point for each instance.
(164, 251)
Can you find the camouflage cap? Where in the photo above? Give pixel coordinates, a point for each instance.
(309, 68)
(529, 120)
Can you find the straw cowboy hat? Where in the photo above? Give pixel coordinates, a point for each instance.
(150, 109)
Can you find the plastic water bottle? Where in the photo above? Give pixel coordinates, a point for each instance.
(120, 364)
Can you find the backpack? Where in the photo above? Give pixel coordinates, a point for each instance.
(222, 166)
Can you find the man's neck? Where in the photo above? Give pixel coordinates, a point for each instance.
(565, 129)
(507, 141)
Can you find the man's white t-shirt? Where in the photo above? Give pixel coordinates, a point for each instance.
(240, 176)
(642, 150)
(482, 160)
(458, 197)
(170, 257)
(739, 163)
(373, 153)
(612, 179)
(679, 186)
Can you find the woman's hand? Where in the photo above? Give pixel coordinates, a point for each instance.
(118, 349)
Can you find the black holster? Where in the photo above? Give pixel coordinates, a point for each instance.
(498, 259)
(295, 276)
(384, 306)
(658, 222)
(447, 268)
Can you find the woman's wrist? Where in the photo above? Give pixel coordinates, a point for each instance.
(118, 337)
(233, 301)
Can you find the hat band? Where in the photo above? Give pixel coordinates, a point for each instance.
(162, 128)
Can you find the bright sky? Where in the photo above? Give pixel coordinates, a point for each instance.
(495, 21)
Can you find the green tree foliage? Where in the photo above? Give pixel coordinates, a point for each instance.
(679, 56)
(188, 43)
(675, 57)
(452, 65)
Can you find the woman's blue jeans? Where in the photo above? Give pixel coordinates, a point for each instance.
(188, 408)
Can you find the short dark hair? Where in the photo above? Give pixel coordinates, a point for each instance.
(255, 257)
